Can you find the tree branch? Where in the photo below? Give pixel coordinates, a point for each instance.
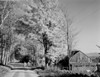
(2, 17)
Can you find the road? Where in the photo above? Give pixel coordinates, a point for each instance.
(21, 73)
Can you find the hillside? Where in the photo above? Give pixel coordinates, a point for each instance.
(93, 54)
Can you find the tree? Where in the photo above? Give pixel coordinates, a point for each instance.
(71, 34)
(98, 46)
(5, 28)
(1, 46)
(42, 22)
(2, 4)
(47, 44)
(48, 29)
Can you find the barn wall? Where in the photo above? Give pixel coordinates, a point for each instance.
(84, 68)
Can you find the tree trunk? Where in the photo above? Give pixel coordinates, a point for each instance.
(69, 55)
(46, 59)
(5, 58)
(1, 55)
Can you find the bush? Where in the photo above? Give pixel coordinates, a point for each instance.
(56, 72)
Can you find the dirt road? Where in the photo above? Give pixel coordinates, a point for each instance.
(21, 73)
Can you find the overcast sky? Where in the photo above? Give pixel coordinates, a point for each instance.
(85, 13)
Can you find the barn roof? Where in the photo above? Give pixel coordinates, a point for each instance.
(74, 52)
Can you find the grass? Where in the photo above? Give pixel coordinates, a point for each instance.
(55, 72)
(3, 70)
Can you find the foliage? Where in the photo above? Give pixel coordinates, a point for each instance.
(96, 60)
(36, 26)
(52, 21)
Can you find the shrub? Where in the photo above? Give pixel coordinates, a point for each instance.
(56, 72)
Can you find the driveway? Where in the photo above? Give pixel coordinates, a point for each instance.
(22, 73)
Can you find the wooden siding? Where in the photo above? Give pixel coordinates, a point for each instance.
(81, 62)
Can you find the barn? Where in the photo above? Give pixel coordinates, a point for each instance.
(79, 61)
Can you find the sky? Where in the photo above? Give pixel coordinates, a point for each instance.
(86, 15)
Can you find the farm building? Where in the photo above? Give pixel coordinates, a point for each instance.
(81, 62)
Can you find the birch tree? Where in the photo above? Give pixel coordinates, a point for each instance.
(4, 13)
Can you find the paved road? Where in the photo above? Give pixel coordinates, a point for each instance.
(21, 73)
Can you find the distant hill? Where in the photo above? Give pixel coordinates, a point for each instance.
(93, 54)
(95, 57)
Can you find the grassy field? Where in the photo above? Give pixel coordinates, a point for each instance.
(3, 70)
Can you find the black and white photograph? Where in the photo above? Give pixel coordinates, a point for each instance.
(49, 38)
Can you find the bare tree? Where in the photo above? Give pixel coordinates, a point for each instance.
(71, 34)
(98, 46)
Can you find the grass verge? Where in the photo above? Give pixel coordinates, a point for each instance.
(3, 70)
(55, 72)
